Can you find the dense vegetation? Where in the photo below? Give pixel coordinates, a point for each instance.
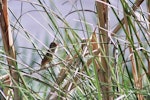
(103, 53)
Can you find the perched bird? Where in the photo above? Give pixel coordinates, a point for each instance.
(49, 55)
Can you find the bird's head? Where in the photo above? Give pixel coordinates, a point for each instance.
(53, 46)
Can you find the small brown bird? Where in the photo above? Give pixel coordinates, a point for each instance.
(49, 55)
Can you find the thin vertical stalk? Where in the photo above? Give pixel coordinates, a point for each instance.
(9, 46)
(148, 60)
(103, 71)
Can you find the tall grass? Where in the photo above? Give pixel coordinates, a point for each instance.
(93, 61)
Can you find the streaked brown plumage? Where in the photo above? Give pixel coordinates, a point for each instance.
(49, 55)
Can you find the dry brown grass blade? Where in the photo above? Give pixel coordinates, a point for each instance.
(8, 44)
(148, 8)
(7, 81)
(93, 41)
